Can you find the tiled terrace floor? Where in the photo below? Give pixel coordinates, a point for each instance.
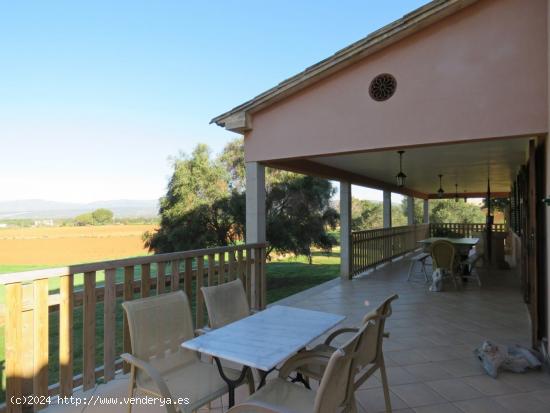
(429, 356)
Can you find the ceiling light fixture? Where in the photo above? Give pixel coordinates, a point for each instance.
(400, 177)
(440, 191)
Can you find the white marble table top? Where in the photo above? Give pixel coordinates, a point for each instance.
(267, 338)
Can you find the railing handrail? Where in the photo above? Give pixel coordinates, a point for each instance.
(390, 229)
(26, 276)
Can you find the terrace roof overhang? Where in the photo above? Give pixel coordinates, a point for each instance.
(458, 108)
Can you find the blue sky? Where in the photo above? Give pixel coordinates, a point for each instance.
(95, 97)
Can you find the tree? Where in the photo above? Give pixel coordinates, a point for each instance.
(299, 214)
(196, 210)
(366, 214)
(102, 216)
(232, 158)
(450, 211)
(205, 206)
(84, 219)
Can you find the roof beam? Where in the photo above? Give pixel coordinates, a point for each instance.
(308, 167)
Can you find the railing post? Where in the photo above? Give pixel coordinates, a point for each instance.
(66, 335)
(88, 331)
(13, 343)
(256, 280)
(41, 340)
(109, 325)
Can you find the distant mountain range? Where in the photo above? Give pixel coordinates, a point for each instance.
(42, 209)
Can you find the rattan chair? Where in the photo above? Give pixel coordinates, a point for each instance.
(159, 365)
(444, 260)
(371, 356)
(335, 391)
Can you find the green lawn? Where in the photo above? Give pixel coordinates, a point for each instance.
(285, 276)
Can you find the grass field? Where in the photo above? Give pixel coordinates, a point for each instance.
(71, 245)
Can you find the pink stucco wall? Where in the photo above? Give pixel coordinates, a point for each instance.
(480, 73)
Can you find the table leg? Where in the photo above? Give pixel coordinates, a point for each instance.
(263, 375)
(231, 384)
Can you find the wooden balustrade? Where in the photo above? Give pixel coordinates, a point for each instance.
(373, 247)
(32, 296)
(463, 230)
(370, 248)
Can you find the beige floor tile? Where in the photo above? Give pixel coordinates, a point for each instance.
(437, 408)
(398, 375)
(417, 394)
(407, 357)
(530, 381)
(543, 396)
(489, 386)
(372, 400)
(428, 371)
(454, 389)
(523, 403)
(484, 405)
(463, 367)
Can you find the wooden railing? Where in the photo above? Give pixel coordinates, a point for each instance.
(46, 308)
(463, 230)
(373, 247)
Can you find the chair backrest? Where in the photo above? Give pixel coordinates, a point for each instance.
(336, 386)
(158, 325)
(225, 303)
(370, 347)
(443, 254)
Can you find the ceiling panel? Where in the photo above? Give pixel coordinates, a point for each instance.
(466, 164)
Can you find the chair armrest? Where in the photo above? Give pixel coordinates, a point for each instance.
(154, 374)
(202, 331)
(336, 333)
(257, 406)
(301, 359)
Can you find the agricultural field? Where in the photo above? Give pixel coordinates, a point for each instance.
(52, 246)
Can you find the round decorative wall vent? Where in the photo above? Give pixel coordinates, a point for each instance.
(382, 87)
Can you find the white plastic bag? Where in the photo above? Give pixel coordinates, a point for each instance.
(495, 357)
(492, 356)
(437, 281)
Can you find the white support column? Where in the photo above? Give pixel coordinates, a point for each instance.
(345, 230)
(255, 202)
(426, 219)
(410, 210)
(387, 209)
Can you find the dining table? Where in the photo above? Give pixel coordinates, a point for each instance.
(463, 247)
(458, 242)
(263, 340)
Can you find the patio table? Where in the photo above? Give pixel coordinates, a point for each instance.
(463, 246)
(263, 340)
(459, 242)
